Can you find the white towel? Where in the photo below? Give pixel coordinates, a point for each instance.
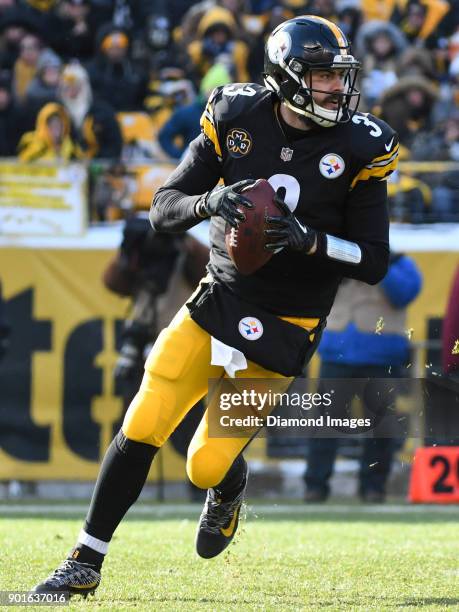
(228, 357)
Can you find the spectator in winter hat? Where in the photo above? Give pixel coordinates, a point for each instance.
(93, 120)
(44, 86)
(114, 76)
(26, 66)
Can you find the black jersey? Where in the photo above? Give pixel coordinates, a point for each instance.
(331, 178)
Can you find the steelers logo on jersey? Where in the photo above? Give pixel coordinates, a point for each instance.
(331, 166)
(238, 142)
(250, 328)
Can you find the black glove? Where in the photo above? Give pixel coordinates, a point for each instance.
(223, 202)
(288, 231)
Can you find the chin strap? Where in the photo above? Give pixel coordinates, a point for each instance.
(330, 119)
(327, 118)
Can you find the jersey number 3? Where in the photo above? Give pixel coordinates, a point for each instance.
(237, 90)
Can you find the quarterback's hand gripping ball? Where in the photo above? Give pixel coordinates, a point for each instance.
(246, 242)
(288, 231)
(224, 202)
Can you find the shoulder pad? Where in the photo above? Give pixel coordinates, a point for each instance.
(225, 104)
(375, 145)
(236, 98)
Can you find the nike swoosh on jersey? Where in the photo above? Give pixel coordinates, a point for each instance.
(228, 532)
(388, 147)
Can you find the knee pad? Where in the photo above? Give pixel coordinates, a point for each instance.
(176, 374)
(146, 419)
(175, 349)
(137, 452)
(206, 467)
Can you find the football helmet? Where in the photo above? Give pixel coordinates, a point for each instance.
(294, 50)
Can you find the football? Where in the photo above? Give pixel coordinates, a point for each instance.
(245, 244)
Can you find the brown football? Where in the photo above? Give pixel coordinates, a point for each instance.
(245, 244)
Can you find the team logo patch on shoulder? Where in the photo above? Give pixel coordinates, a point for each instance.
(331, 166)
(238, 142)
(250, 328)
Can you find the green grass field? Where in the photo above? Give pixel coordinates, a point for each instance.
(354, 559)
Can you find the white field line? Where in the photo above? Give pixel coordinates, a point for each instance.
(163, 510)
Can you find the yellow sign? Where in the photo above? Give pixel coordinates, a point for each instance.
(59, 405)
(38, 200)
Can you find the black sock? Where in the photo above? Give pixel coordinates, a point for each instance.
(84, 554)
(234, 481)
(121, 478)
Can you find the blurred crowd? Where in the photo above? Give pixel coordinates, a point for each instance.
(126, 80)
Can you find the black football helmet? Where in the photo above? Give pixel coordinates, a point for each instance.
(294, 50)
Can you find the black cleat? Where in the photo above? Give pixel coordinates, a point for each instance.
(218, 523)
(71, 577)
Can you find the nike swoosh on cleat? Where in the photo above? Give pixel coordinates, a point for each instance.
(388, 147)
(83, 586)
(228, 532)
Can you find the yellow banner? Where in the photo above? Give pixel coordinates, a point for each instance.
(59, 405)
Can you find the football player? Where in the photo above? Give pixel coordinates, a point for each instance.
(327, 163)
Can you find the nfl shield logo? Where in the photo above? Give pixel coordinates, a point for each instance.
(286, 154)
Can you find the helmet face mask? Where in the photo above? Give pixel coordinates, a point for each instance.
(300, 49)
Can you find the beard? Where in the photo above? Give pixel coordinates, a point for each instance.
(307, 121)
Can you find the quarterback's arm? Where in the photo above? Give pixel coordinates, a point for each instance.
(174, 205)
(189, 195)
(364, 254)
(366, 214)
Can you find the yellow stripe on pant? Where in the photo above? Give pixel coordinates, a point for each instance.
(176, 377)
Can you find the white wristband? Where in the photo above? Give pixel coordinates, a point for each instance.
(343, 250)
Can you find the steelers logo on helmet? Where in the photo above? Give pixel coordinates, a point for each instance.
(238, 142)
(331, 166)
(278, 46)
(297, 55)
(250, 328)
